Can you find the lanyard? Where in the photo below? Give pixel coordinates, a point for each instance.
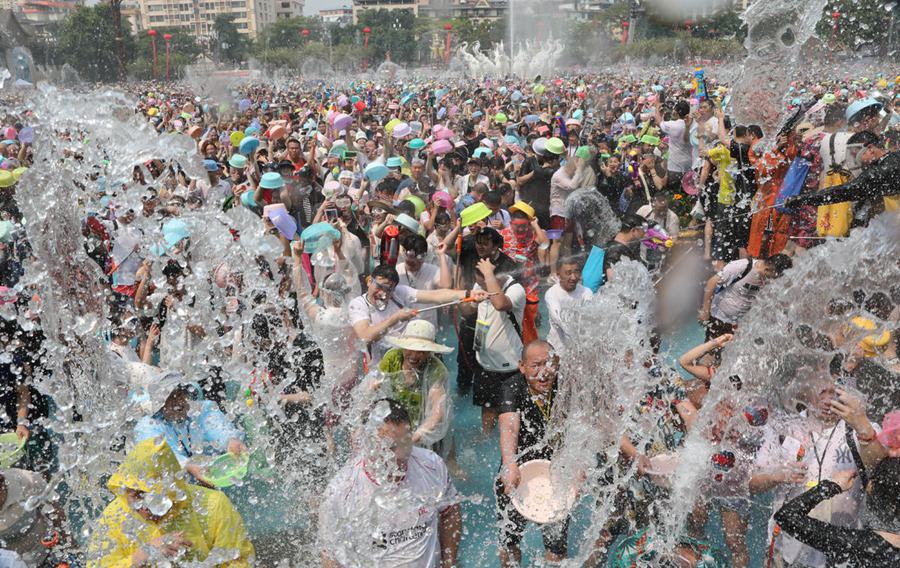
(821, 460)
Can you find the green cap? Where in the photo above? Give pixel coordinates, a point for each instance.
(584, 152)
(474, 213)
(555, 146)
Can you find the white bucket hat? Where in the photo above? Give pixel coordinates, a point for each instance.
(536, 498)
(418, 336)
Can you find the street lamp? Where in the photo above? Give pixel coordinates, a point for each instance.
(152, 34)
(835, 16)
(449, 28)
(168, 38)
(366, 31)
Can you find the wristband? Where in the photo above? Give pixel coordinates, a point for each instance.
(866, 440)
(468, 294)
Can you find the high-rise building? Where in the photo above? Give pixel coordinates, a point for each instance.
(363, 5)
(467, 9)
(341, 16)
(198, 16)
(39, 13)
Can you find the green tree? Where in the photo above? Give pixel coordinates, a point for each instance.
(231, 45)
(87, 43)
(392, 32)
(859, 25)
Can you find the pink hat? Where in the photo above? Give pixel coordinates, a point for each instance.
(890, 430)
(441, 147)
(443, 199)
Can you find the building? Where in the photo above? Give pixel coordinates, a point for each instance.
(40, 13)
(288, 8)
(340, 16)
(198, 16)
(465, 9)
(390, 5)
(14, 56)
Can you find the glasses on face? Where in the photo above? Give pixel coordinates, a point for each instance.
(386, 288)
(377, 211)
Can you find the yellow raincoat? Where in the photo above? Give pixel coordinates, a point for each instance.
(205, 517)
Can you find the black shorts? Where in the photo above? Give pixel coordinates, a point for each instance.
(488, 386)
(511, 526)
(715, 328)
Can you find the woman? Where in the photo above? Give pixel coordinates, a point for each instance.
(701, 362)
(845, 546)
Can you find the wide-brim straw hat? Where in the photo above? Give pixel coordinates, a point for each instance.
(418, 336)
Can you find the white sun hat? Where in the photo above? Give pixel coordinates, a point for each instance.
(418, 336)
(536, 498)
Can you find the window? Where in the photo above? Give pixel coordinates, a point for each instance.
(157, 19)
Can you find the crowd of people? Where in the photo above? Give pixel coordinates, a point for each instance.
(408, 248)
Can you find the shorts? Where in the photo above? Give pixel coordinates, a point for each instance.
(560, 226)
(716, 327)
(511, 526)
(488, 386)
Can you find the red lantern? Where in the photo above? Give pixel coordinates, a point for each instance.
(305, 33)
(835, 16)
(152, 34)
(366, 31)
(625, 32)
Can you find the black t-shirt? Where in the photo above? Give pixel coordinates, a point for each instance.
(514, 397)
(536, 192)
(616, 251)
(468, 258)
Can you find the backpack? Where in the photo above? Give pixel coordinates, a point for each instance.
(833, 220)
(743, 274)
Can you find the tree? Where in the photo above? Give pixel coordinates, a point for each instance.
(859, 25)
(231, 45)
(87, 42)
(288, 32)
(392, 32)
(183, 49)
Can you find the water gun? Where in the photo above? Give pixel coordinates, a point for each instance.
(657, 238)
(721, 157)
(699, 85)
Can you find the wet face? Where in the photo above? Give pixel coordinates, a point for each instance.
(540, 368)
(823, 401)
(569, 276)
(398, 441)
(414, 261)
(474, 169)
(485, 247)
(520, 228)
(614, 164)
(416, 359)
(135, 500)
(293, 149)
(177, 406)
(417, 170)
(380, 289)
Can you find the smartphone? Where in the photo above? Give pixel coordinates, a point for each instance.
(331, 214)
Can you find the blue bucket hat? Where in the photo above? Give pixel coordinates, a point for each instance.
(394, 162)
(271, 180)
(237, 161)
(211, 165)
(248, 145)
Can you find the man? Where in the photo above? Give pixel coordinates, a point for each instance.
(157, 517)
(878, 179)
(418, 379)
(613, 184)
(295, 154)
(416, 273)
(219, 188)
(526, 404)
(190, 432)
(625, 244)
(565, 295)
(534, 183)
(498, 338)
(392, 506)
(818, 443)
(768, 226)
(680, 149)
(658, 211)
(730, 293)
(526, 243)
(386, 306)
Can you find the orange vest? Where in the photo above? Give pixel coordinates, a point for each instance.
(769, 228)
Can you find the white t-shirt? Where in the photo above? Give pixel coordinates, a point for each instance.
(680, 150)
(365, 524)
(498, 347)
(360, 309)
(558, 300)
(428, 278)
(737, 295)
(464, 183)
(840, 153)
(127, 261)
(826, 445)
